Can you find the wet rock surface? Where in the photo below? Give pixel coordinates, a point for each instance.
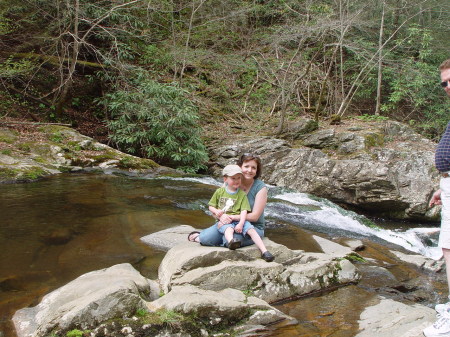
(234, 289)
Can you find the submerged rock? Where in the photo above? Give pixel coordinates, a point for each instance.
(389, 318)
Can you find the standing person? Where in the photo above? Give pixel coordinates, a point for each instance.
(442, 197)
(257, 196)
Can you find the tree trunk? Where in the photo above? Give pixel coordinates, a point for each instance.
(380, 61)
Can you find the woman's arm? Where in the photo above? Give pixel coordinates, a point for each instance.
(258, 207)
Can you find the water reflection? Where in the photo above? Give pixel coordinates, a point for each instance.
(54, 230)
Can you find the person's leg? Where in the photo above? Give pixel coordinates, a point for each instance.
(211, 237)
(251, 231)
(228, 234)
(444, 235)
(446, 252)
(442, 326)
(246, 240)
(257, 240)
(228, 240)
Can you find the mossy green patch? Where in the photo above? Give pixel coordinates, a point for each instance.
(22, 174)
(6, 152)
(25, 147)
(354, 257)
(7, 136)
(77, 333)
(7, 173)
(373, 139)
(129, 162)
(56, 137)
(32, 173)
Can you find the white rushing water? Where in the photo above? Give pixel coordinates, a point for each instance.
(321, 215)
(328, 215)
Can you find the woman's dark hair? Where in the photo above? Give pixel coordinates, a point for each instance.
(248, 156)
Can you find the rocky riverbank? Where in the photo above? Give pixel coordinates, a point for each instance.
(36, 151)
(397, 176)
(205, 291)
(383, 168)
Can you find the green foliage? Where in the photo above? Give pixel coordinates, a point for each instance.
(414, 84)
(157, 121)
(141, 313)
(169, 316)
(74, 333)
(157, 57)
(372, 118)
(12, 68)
(33, 173)
(6, 25)
(56, 137)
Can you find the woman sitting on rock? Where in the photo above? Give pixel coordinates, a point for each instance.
(257, 196)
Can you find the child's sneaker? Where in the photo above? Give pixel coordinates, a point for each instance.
(234, 244)
(440, 328)
(266, 256)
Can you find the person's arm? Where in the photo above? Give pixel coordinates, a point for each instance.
(217, 213)
(258, 207)
(436, 198)
(242, 219)
(257, 210)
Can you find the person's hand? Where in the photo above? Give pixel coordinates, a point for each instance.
(436, 199)
(238, 228)
(225, 218)
(219, 213)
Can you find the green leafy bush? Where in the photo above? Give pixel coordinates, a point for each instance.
(157, 121)
(414, 85)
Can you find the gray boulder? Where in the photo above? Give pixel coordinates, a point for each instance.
(88, 300)
(225, 307)
(293, 273)
(388, 318)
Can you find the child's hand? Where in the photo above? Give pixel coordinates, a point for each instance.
(219, 213)
(238, 228)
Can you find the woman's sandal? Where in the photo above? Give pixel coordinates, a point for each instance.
(193, 239)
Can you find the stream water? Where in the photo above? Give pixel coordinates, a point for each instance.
(56, 229)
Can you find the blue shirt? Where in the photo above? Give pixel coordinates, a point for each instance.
(442, 156)
(256, 187)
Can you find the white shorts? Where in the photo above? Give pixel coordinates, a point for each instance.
(444, 236)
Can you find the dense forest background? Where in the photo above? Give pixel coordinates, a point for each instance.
(162, 78)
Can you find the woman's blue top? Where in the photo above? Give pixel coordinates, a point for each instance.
(251, 195)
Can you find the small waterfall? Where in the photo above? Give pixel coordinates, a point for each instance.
(321, 215)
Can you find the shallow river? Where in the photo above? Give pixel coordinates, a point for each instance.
(56, 229)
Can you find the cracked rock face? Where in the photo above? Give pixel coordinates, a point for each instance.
(385, 168)
(292, 274)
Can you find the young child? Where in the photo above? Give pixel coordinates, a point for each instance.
(232, 200)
